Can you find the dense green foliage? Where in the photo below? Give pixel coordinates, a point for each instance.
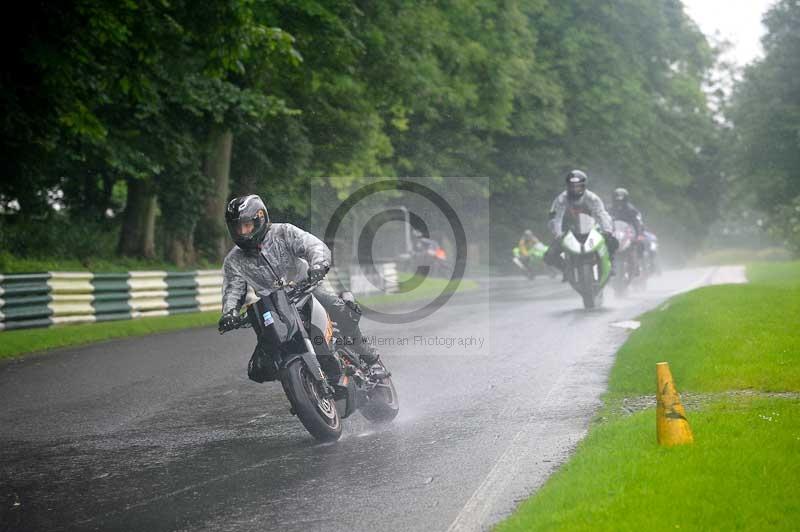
(766, 114)
(10, 264)
(114, 108)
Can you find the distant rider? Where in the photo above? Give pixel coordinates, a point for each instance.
(266, 252)
(622, 209)
(422, 244)
(577, 199)
(529, 244)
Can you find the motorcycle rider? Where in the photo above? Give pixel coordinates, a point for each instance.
(528, 246)
(528, 243)
(574, 200)
(422, 244)
(266, 252)
(527, 249)
(622, 209)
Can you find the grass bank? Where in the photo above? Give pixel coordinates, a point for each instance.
(725, 256)
(18, 343)
(731, 348)
(9, 264)
(427, 289)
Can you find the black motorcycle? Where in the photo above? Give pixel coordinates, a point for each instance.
(626, 259)
(323, 378)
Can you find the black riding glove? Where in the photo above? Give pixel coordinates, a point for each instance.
(317, 272)
(611, 242)
(354, 306)
(228, 321)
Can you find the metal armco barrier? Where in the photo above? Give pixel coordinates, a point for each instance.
(44, 299)
(383, 279)
(55, 298)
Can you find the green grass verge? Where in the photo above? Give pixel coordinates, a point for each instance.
(10, 264)
(780, 275)
(16, 343)
(739, 256)
(742, 471)
(429, 288)
(741, 474)
(717, 338)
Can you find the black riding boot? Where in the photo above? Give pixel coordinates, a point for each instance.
(367, 352)
(552, 257)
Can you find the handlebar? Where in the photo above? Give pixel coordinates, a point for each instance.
(294, 294)
(298, 290)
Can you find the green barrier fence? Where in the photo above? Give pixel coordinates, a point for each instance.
(55, 298)
(44, 299)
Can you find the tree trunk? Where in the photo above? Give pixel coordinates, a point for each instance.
(180, 249)
(217, 167)
(137, 237)
(108, 192)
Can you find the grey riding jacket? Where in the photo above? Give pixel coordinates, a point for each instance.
(589, 203)
(280, 256)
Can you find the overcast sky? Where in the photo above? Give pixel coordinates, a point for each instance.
(738, 21)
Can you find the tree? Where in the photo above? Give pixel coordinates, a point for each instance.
(186, 103)
(765, 111)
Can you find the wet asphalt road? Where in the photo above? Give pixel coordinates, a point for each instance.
(167, 433)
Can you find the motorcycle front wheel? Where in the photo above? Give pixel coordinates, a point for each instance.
(587, 286)
(383, 405)
(316, 411)
(620, 282)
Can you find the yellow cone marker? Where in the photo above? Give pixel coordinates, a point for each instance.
(671, 423)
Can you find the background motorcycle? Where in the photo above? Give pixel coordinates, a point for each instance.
(650, 265)
(427, 254)
(587, 263)
(626, 258)
(324, 379)
(533, 264)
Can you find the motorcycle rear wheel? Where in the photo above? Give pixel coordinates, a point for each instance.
(316, 412)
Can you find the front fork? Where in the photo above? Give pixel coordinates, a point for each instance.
(573, 264)
(309, 360)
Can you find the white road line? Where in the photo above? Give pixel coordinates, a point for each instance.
(475, 512)
(257, 418)
(703, 281)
